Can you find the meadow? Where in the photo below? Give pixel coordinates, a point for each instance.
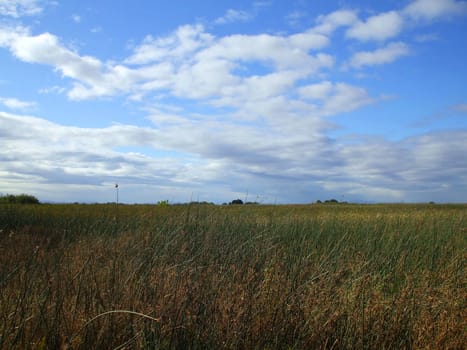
(321, 276)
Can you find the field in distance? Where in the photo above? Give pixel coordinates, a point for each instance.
(329, 276)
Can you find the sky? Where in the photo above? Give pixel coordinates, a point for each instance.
(273, 101)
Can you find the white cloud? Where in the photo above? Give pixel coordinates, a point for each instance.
(189, 63)
(316, 91)
(346, 98)
(380, 27)
(41, 155)
(52, 90)
(386, 54)
(257, 88)
(336, 97)
(232, 16)
(282, 52)
(9, 34)
(326, 24)
(188, 41)
(15, 104)
(179, 45)
(46, 49)
(415, 169)
(433, 9)
(227, 157)
(91, 77)
(19, 8)
(205, 67)
(200, 67)
(203, 79)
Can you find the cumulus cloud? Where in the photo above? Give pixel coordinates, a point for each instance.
(179, 45)
(386, 54)
(19, 8)
(9, 34)
(380, 27)
(190, 62)
(91, 77)
(281, 51)
(46, 49)
(336, 97)
(326, 24)
(316, 91)
(346, 98)
(52, 90)
(234, 16)
(433, 9)
(15, 104)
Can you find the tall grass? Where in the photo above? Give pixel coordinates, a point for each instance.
(233, 277)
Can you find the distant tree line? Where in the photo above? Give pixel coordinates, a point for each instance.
(239, 201)
(18, 199)
(330, 201)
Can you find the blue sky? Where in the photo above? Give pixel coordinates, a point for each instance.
(272, 101)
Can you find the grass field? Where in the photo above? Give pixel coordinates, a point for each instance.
(233, 277)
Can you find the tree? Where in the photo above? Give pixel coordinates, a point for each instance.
(19, 199)
(331, 201)
(237, 201)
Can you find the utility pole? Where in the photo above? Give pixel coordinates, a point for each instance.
(116, 189)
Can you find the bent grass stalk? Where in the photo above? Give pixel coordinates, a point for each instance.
(129, 312)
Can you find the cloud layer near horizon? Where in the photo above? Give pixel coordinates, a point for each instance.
(229, 159)
(270, 130)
